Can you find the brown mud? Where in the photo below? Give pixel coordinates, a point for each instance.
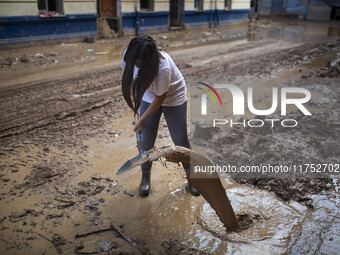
(209, 185)
(65, 130)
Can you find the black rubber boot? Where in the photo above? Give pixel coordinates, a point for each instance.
(193, 191)
(144, 187)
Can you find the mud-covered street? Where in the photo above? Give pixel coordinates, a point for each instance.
(65, 130)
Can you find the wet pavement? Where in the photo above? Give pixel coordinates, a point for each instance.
(65, 130)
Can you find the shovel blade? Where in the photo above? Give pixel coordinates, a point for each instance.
(131, 164)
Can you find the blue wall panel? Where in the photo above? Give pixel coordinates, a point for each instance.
(27, 29)
(297, 7)
(226, 17)
(147, 21)
(160, 20)
(277, 6)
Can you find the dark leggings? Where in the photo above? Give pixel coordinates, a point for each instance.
(176, 118)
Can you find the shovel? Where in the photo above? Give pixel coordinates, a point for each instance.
(138, 160)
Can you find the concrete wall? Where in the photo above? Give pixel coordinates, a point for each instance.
(164, 5)
(158, 18)
(18, 8)
(80, 6)
(129, 5)
(240, 4)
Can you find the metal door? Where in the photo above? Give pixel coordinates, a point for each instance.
(108, 8)
(176, 13)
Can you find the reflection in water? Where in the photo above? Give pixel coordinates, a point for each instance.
(293, 32)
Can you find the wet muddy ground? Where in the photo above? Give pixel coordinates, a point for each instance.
(65, 130)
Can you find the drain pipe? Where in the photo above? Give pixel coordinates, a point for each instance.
(211, 15)
(137, 23)
(216, 15)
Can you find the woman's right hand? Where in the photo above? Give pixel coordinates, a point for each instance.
(139, 125)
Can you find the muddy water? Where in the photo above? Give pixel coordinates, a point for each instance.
(268, 219)
(171, 212)
(294, 31)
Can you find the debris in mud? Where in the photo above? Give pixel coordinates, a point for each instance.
(246, 220)
(173, 247)
(138, 244)
(94, 186)
(39, 55)
(64, 204)
(57, 240)
(298, 190)
(43, 173)
(100, 247)
(53, 216)
(18, 215)
(5, 179)
(94, 232)
(106, 246)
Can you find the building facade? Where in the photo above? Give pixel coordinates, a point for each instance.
(162, 14)
(32, 21)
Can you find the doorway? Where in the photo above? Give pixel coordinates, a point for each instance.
(109, 20)
(176, 13)
(108, 8)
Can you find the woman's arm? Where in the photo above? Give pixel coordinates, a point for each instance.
(153, 107)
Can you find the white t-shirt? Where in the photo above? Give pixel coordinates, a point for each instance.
(169, 79)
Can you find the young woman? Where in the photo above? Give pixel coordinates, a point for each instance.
(152, 83)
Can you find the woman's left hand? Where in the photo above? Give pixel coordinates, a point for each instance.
(139, 126)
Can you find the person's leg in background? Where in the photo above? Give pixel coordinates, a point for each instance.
(52, 5)
(42, 7)
(149, 136)
(176, 119)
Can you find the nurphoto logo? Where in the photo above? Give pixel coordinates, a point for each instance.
(239, 104)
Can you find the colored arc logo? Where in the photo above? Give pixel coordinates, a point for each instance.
(209, 93)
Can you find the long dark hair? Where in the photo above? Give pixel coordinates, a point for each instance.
(142, 47)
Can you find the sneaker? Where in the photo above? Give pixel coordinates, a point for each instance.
(53, 14)
(43, 14)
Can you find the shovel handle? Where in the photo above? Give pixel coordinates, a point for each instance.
(138, 136)
(139, 141)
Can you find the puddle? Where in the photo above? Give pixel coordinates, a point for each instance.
(291, 31)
